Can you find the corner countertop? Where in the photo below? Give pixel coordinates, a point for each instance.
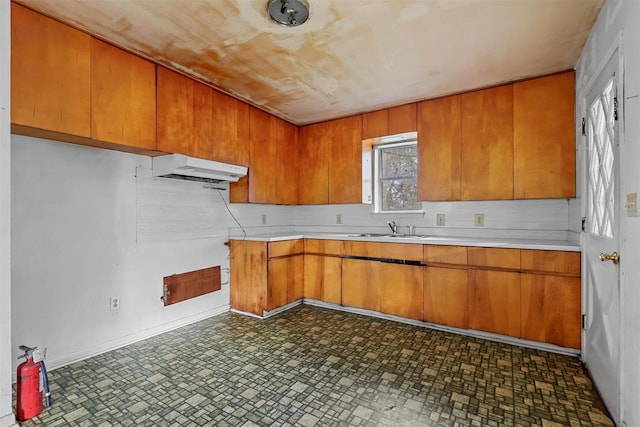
(514, 243)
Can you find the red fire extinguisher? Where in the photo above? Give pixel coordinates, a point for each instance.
(30, 386)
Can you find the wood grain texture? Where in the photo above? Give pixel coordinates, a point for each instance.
(494, 302)
(551, 261)
(401, 290)
(403, 118)
(446, 296)
(375, 124)
(248, 276)
(50, 74)
(285, 248)
(229, 129)
(321, 246)
(550, 310)
(123, 97)
(184, 286)
(183, 115)
(345, 160)
(544, 137)
(286, 163)
(239, 191)
(262, 157)
(487, 144)
(323, 278)
(494, 257)
(313, 172)
(406, 251)
(443, 254)
(439, 149)
(361, 284)
(295, 278)
(280, 273)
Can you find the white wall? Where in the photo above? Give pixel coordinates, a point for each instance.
(534, 219)
(6, 411)
(77, 214)
(623, 18)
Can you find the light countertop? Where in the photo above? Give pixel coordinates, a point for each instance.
(557, 245)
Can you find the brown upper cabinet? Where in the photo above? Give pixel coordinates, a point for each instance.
(262, 157)
(184, 115)
(330, 156)
(439, 140)
(286, 163)
(229, 129)
(50, 74)
(544, 137)
(508, 142)
(389, 121)
(487, 144)
(123, 97)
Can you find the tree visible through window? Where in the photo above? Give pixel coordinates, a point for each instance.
(397, 182)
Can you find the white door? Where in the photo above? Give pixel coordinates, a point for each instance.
(601, 348)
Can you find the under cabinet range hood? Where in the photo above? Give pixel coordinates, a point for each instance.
(179, 166)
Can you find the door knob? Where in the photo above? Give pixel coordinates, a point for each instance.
(610, 257)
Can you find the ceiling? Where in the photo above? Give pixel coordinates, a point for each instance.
(352, 56)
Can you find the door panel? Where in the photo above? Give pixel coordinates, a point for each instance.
(601, 350)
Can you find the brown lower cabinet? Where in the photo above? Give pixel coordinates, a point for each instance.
(445, 296)
(265, 276)
(494, 302)
(529, 294)
(323, 278)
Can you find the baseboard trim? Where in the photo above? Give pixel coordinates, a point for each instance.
(8, 421)
(552, 348)
(59, 362)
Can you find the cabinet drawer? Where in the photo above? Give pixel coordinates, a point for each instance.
(445, 254)
(285, 247)
(405, 251)
(494, 257)
(325, 247)
(551, 261)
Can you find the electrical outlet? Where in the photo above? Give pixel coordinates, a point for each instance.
(632, 205)
(263, 219)
(440, 220)
(338, 218)
(114, 303)
(478, 220)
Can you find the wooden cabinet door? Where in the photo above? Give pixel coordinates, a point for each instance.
(375, 124)
(295, 275)
(544, 137)
(286, 163)
(184, 115)
(494, 302)
(123, 97)
(229, 129)
(439, 145)
(280, 272)
(487, 144)
(550, 309)
(446, 296)
(345, 160)
(248, 271)
(313, 170)
(323, 278)
(403, 118)
(262, 157)
(50, 74)
(401, 290)
(361, 283)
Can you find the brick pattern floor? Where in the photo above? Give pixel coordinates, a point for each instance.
(317, 367)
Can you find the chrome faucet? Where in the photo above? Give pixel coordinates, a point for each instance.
(393, 226)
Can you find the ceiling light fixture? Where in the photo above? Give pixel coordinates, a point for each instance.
(289, 13)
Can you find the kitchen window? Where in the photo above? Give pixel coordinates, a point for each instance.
(392, 173)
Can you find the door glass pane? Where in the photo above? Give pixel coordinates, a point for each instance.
(601, 137)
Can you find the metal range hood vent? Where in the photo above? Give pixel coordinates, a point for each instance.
(179, 166)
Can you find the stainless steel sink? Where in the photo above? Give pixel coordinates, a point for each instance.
(395, 236)
(369, 235)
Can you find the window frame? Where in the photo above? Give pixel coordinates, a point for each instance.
(376, 153)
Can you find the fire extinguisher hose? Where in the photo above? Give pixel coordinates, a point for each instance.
(45, 384)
